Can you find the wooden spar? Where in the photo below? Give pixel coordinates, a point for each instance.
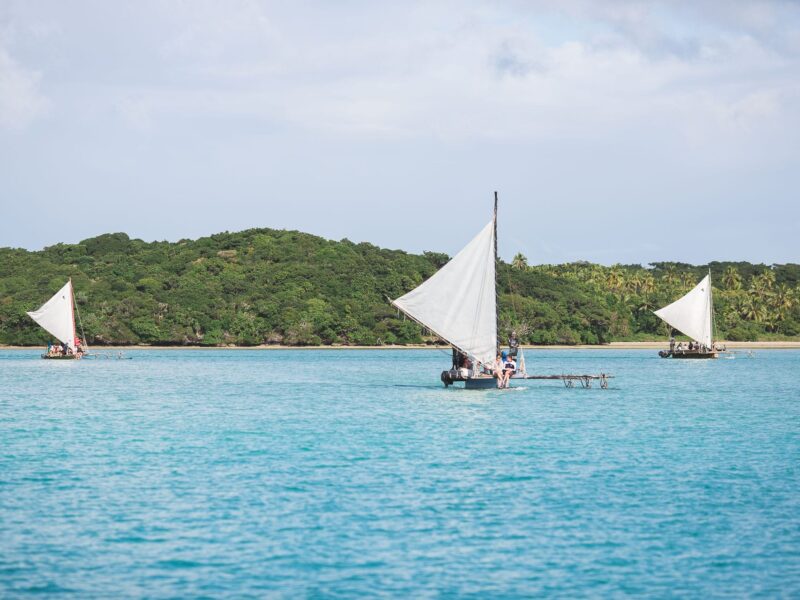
(496, 296)
(569, 380)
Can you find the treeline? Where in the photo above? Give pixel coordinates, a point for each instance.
(264, 286)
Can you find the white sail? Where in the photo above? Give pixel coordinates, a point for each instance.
(458, 302)
(56, 316)
(691, 314)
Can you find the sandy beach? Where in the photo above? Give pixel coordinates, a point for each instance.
(765, 345)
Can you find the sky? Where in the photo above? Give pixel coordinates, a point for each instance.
(613, 131)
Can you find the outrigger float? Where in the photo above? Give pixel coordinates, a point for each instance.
(692, 315)
(458, 303)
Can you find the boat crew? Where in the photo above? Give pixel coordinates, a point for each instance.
(513, 345)
(509, 367)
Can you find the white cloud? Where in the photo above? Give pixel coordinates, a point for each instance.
(487, 71)
(21, 102)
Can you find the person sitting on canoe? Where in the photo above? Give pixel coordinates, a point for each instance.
(497, 368)
(509, 368)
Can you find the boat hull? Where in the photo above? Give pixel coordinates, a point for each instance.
(471, 383)
(480, 383)
(689, 354)
(67, 357)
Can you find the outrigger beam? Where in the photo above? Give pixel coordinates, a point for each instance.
(569, 380)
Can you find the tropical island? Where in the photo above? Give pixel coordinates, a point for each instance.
(277, 287)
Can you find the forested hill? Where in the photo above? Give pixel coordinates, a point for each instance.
(284, 287)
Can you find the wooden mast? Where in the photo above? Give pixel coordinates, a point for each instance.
(713, 314)
(72, 312)
(496, 299)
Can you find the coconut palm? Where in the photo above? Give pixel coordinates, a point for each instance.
(759, 287)
(634, 283)
(670, 275)
(687, 280)
(519, 262)
(751, 309)
(648, 284)
(783, 300)
(615, 278)
(731, 279)
(767, 278)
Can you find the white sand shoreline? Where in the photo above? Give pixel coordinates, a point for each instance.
(766, 345)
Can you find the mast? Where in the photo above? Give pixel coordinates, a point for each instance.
(711, 308)
(72, 312)
(496, 299)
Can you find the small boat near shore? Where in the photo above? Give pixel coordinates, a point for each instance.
(458, 303)
(692, 315)
(57, 317)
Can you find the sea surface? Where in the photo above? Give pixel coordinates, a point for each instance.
(345, 473)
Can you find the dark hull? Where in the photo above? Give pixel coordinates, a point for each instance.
(470, 383)
(67, 357)
(481, 383)
(687, 354)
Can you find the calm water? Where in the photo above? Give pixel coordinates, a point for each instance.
(347, 473)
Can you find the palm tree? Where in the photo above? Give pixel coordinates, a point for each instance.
(783, 300)
(519, 262)
(634, 283)
(670, 275)
(731, 279)
(767, 279)
(645, 305)
(648, 284)
(687, 280)
(615, 278)
(759, 287)
(751, 309)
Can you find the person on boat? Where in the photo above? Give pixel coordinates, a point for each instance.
(513, 345)
(465, 367)
(457, 358)
(672, 344)
(498, 368)
(691, 345)
(509, 368)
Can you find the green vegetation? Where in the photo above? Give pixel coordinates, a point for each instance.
(284, 287)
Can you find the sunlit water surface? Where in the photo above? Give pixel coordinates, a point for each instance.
(340, 473)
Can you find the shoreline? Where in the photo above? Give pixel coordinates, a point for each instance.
(765, 345)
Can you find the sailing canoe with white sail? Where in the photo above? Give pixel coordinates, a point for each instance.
(57, 317)
(459, 304)
(692, 315)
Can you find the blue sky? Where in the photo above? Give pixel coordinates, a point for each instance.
(615, 131)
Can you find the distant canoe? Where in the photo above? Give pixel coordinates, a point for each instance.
(692, 315)
(57, 317)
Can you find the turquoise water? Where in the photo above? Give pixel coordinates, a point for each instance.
(348, 473)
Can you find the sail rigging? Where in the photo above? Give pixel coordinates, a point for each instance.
(692, 314)
(458, 303)
(57, 317)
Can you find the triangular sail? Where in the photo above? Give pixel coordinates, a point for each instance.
(458, 302)
(56, 316)
(521, 370)
(691, 314)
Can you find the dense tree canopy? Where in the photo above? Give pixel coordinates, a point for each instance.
(269, 286)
